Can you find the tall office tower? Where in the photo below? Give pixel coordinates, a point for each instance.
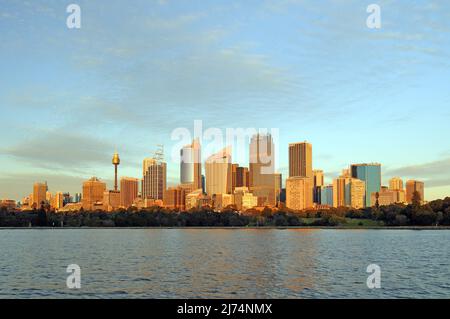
(346, 172)
(154, 178)
(241, 177)
(318, 183)
(339, 191)
(299, 193)
(318, 177)
(93, 190)
(58, 200)
(234, 168)
(396, 184)
(190, 164)
(371, 175)
(355, 193)
(115, 162)
(414, 186)
(263, 179)
(203, 184)
(326, 196)
(300, 159)
(218, 173)
(262, 159)
(129, 188)
(39, 194)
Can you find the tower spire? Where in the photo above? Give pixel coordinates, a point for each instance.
(115, 162)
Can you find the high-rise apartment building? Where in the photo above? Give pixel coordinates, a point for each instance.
(218, 173)
(154, 178)
(129, 188)
(371, 175)
(190, 164)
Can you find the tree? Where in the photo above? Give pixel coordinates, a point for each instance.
(42, 217)
(416, 200)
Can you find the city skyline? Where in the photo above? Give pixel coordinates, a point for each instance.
(358, 186)
(133, 74)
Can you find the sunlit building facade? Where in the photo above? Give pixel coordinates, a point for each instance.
(154, 179)
(93, 192)
(129, 189)
(190, 164)
(263, 180)
(39, 194)
(371, 175)
(218, 173)
(414, 186)
(299, 193)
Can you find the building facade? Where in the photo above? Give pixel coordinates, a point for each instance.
(299, 193)
(371, 175)
(218, 173)
(93, 192)
(154, 179)
(129, 189)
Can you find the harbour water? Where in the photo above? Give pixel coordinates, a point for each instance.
(224, 263)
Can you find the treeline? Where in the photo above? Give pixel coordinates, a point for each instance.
(435, 213)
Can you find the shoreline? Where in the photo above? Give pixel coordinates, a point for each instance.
(244, 227)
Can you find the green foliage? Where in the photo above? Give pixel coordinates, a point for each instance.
(434, 213)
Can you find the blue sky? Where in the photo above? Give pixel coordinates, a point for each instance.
(137, 70)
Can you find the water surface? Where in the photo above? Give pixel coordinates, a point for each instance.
(224, 263)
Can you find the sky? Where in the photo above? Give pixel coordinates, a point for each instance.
(138, 70)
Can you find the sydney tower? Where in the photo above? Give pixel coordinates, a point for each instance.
(116, 162)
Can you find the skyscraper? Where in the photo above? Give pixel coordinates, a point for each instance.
(190, 165)
(218, 173)
(129, 188)
(396, 184)
(39, 194)
(241, 178)
(93, 190)
(299, 193)
(154, 178)
(318, 183)
(414, 186)
(339, 191)
(371, 175)
(355, 193)
(263, 180)
(300, 159)
(326, 196)
(58, 200)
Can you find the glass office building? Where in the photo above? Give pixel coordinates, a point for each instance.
(371, 175)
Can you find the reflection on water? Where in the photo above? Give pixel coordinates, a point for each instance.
(221, 263)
